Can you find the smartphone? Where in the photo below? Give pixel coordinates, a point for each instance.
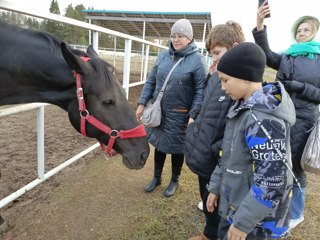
(260, 3)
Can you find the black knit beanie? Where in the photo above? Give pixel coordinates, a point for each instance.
(246, 61)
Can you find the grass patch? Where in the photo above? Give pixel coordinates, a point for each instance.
(177, 218)
(166, 218)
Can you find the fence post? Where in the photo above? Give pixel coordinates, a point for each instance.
(145, 71)
(95, 40)
(126, 67)
(40, 141)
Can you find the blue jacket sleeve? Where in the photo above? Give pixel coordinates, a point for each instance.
(200, 80)
(149, 86)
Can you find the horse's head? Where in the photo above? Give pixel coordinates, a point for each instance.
(106, 102)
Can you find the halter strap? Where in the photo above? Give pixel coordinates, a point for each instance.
(85, 116)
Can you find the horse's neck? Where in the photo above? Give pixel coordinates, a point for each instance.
(32, 69)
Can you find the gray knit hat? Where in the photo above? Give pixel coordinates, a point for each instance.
(182, 26)
(246, 61)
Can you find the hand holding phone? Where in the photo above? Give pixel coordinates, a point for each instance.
(260, 3)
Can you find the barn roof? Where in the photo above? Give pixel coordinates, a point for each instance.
(157, 24)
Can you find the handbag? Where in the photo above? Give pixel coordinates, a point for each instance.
(151, 116)
(310, 159)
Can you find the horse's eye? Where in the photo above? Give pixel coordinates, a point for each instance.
(108, 103)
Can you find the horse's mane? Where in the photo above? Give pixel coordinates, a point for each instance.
(53, 41)
(32, 35)
(52, 45)
(102, 67)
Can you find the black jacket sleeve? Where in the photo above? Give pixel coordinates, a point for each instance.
(261, 38)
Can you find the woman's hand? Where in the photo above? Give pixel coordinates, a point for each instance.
(139, 112)
(213, 66)
(212, 202)
(235, 233)
(293, 86)
(263, 10)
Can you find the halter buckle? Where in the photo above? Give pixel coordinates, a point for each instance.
(84, 114)
(114, 133)
(80, 93)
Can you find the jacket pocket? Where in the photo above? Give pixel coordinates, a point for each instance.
(236, 186)
(180, 110)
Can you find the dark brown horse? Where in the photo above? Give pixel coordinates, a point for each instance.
(38, 67)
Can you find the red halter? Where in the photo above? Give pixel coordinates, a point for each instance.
(136, 132)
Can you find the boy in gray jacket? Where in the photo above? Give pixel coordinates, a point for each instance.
(253, 181)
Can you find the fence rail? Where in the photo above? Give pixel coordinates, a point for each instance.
(42, 176)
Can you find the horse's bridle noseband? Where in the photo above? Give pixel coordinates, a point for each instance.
(85, 116)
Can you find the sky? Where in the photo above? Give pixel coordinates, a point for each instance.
(283, 12)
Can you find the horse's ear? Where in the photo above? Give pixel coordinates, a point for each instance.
(74, 61)
(91, 52)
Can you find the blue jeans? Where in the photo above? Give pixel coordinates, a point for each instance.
(297, 202)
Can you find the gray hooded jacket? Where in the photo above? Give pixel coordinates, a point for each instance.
(252, 180)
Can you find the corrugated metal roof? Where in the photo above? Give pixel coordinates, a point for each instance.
(157, 24)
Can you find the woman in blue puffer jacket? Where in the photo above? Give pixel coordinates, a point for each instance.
(298, 70)
(180, 104)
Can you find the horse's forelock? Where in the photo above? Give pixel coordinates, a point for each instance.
(104, 69)
(108, 69)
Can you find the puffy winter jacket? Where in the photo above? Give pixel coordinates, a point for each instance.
(182, 97)
(204, 135)
(301, 69)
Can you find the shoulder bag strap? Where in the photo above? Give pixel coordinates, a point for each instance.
(160, 95)
(167, 79)
(275, 147)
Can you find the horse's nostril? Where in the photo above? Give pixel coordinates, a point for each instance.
(144, 156)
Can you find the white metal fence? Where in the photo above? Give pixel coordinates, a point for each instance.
(42, 175)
